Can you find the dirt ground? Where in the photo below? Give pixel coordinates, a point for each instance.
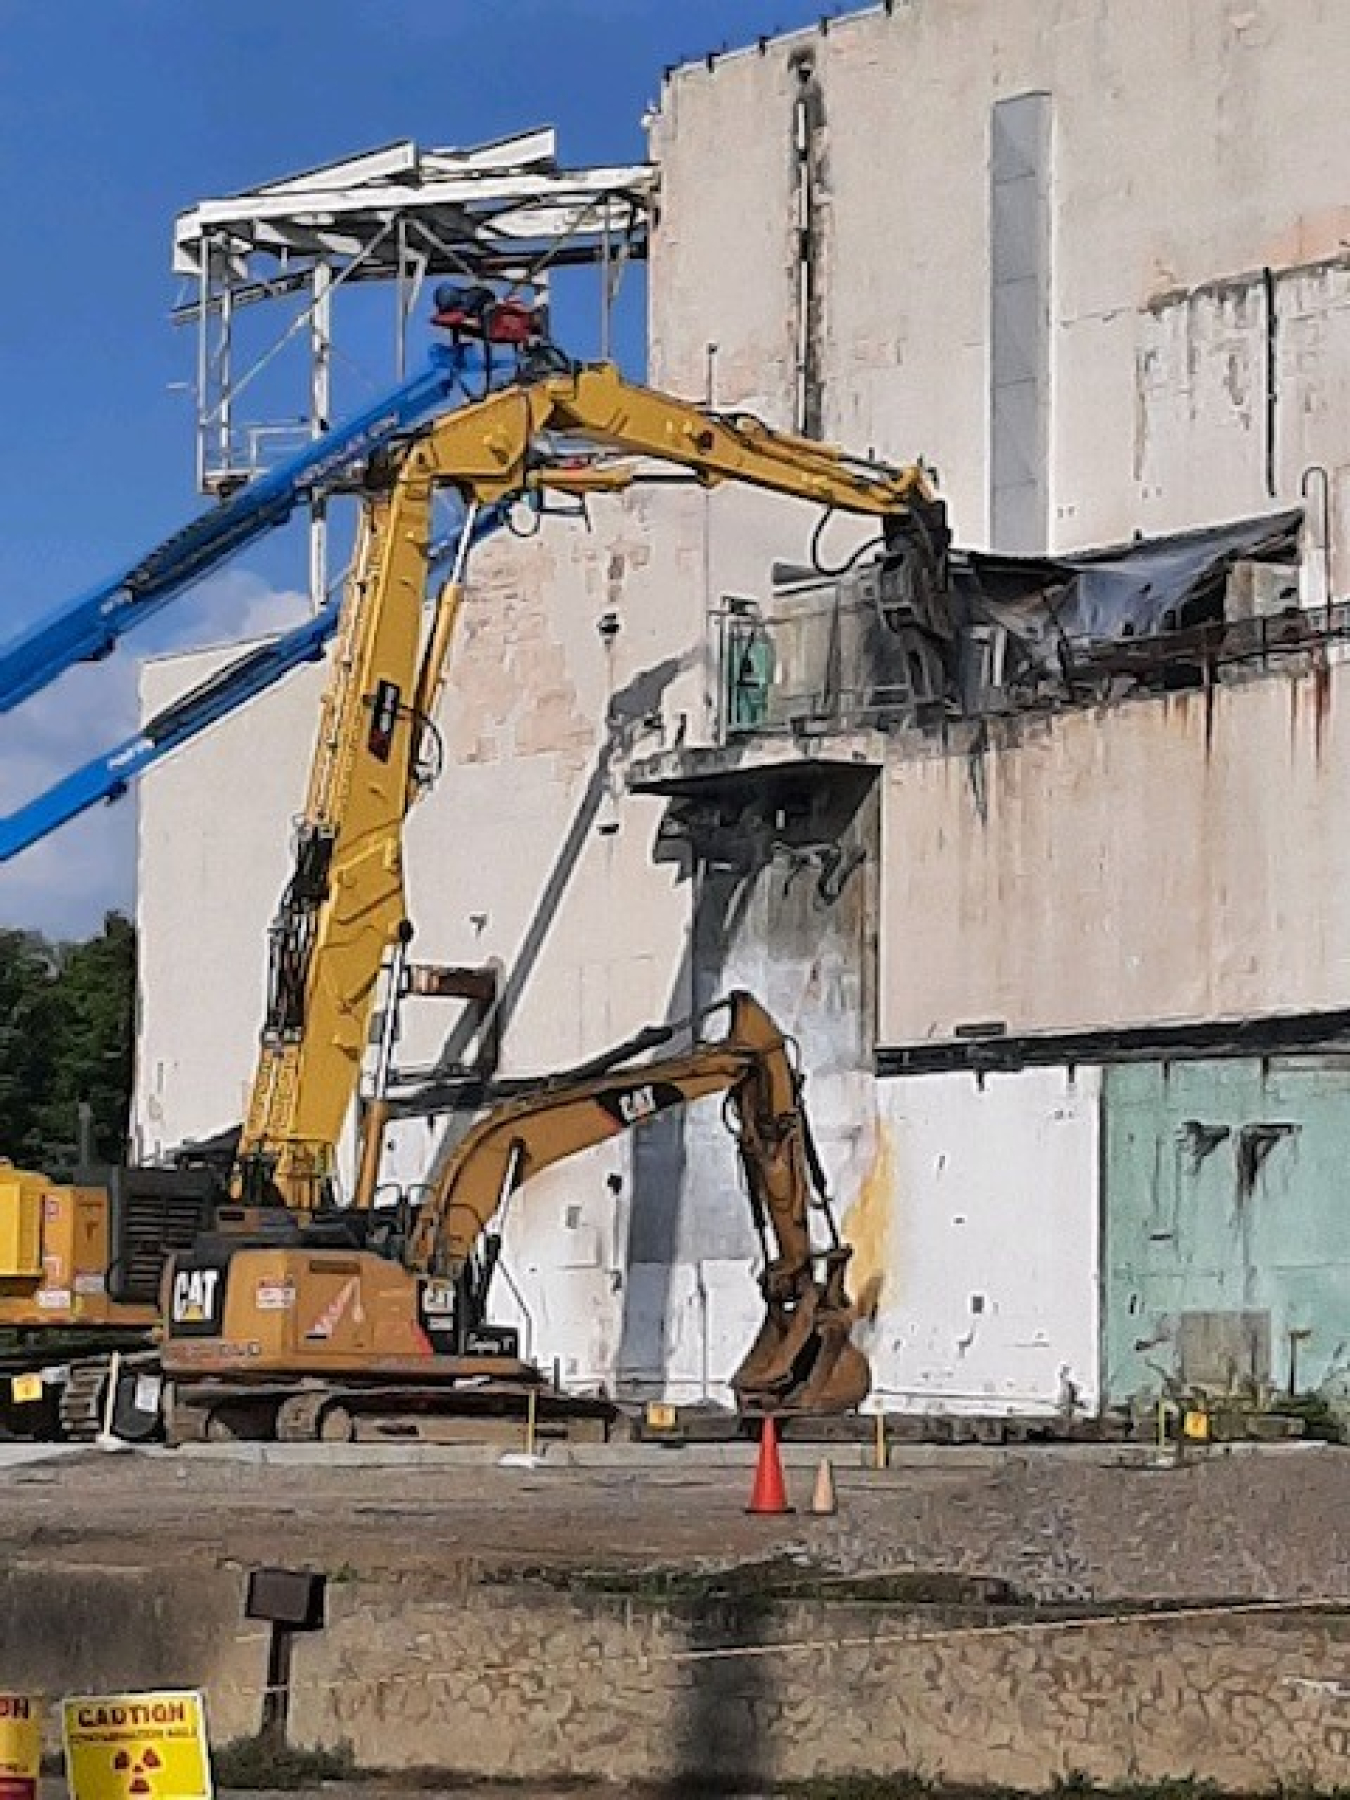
(1273, 1524)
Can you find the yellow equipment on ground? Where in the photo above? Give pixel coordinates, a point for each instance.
(309, 1336)
(80, 1270)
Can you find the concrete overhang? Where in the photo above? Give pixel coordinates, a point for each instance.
(766, 760)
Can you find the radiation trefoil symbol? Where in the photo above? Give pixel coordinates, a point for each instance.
(136, 1768)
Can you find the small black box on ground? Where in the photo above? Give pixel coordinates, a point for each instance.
(293, 1597)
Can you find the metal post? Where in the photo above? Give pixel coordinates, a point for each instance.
(110, 1392)
(84, 1135)
(224, 375)
(276, 1704)
(320, 417)
(203, 357)
(402, 303)
(375, 1114)
(606, 292)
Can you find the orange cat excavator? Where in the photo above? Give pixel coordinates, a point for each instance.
(309, 1337)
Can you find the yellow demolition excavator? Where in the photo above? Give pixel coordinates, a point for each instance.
(365, 1322)
(574, 429)
(344, 914)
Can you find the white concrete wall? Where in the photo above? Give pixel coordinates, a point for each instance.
(979, 1224)
(213, 850)
(1172, 859)
(1195, 143)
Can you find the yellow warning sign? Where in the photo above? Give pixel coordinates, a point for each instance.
(137, 1747)
(24, 1388)
(20, 1746)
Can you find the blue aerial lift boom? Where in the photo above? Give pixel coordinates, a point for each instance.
(89, 627)
(107, 776)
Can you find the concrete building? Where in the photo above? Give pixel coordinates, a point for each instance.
(1063, 931)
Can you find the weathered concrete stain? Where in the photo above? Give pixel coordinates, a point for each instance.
(1060, 903)
(868, 1222)
(1227, 1251)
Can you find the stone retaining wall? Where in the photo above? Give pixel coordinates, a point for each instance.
(525, 1682)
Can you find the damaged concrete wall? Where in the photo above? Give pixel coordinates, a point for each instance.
(784, 904)
(971, 1206)
(1186, 386)
(1167, 860)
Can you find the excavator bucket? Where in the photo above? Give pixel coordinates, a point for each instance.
(803, 1359)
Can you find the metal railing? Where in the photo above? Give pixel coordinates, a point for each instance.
(819, 667)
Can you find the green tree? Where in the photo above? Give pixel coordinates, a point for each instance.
(28, 1036)
(67, 1033)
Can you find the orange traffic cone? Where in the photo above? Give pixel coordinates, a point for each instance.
(823, 1499)
(769, 1494)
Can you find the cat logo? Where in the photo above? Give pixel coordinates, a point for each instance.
(194, 1296)
(638, 1105)
(629, 1106)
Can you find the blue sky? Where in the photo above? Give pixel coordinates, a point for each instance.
(115, 115)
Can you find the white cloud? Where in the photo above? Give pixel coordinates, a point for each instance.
(66, 883)
(229, 607)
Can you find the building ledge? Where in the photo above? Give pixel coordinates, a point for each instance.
(767, 756)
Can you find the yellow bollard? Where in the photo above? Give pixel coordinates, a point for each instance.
(880, 1452)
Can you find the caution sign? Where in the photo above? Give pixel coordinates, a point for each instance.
(20, 1746)
(137, 1747)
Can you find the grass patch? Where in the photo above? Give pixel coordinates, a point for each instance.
(767, 1579)
(252, 1763)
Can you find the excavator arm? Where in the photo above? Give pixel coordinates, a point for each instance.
(344, 909)
(802, 1359)
(344, 906)
(486, 450)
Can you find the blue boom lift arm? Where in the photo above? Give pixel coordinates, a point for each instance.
(89, 627)
(107, 776)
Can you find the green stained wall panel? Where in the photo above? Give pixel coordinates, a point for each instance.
(1226, 1221)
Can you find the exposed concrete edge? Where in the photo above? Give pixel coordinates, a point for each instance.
(18, 1456)
(718, 1456)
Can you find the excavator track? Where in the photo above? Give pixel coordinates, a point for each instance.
(81, 1406)
(84, 1398)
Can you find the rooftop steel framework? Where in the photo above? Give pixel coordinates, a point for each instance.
(504, 212)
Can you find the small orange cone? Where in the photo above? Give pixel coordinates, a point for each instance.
(769, 1494)
(823, 1497)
